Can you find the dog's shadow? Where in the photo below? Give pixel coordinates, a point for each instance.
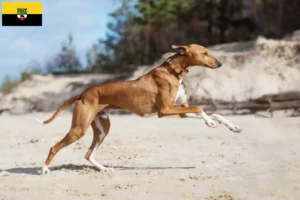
(78, 168)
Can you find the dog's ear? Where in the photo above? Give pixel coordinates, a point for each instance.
(181, 49)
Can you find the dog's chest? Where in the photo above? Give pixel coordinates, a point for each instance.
(181, 94)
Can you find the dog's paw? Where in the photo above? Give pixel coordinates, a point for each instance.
(211, 123)
(45, 170)
(235, 128)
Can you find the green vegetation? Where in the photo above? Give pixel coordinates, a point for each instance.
(66, 60)
(140, 33)
(10, 83)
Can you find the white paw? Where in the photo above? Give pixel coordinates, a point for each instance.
(211, 123)
(234, 128)
(45, 170)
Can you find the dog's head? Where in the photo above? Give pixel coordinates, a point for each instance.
(198, 55)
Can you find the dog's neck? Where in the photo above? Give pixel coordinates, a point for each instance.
(179, 63)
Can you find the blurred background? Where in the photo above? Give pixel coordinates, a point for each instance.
(85, 43)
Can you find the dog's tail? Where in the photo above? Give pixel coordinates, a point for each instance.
(63, 106)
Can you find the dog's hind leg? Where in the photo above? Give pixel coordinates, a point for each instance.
(101, 126)
(83, 116)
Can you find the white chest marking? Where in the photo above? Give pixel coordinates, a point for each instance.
(181, 94)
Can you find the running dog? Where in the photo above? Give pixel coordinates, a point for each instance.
(161, 91)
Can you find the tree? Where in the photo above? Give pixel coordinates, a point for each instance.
(91, 56)
(67, 60)
(141, 31)
(115, 53)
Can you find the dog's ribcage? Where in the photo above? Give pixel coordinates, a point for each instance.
(181, 94)
(179, 99)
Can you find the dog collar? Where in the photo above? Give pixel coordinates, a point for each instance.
(177, 69)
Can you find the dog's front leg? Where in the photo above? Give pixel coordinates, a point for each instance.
(202, 115)
(191, 112)
(227, 123)
(216, 117)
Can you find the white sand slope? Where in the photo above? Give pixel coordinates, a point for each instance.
(168, 158)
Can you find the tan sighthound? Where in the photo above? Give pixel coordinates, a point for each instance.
(159, 91)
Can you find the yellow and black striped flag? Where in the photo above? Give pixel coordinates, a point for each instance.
(21, 13)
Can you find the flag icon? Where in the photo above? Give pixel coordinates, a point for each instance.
(21, 14)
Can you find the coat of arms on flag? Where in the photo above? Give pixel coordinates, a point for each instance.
(22, 13)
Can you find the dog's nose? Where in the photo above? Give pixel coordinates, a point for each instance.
(219, 64)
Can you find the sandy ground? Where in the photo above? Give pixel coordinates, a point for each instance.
(169, 158)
